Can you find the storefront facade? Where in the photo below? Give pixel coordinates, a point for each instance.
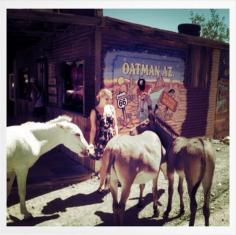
(186, 77)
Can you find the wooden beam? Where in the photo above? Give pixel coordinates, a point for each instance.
(156, 34)
(52, 17)
(38, 34)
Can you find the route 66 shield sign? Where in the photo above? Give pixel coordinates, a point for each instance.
(121, 100)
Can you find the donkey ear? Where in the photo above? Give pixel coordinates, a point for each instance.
(62, 125)
(151, 117)
(66, 118)
(155, 110)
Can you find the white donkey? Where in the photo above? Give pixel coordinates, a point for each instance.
(131, 160)
(27, 142)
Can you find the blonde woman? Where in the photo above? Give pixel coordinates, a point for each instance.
(103, 124)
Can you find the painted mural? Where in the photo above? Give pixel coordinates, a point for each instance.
(223, 84)
(222, 104)
(141, 81)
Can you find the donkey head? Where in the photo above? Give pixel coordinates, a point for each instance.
(73, 138)
(155, 124)
(146, 125)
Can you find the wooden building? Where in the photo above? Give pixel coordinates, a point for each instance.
(73, 53)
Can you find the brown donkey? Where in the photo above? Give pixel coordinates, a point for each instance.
(192, 158)
(131, 159)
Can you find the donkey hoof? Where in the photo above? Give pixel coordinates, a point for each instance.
(28, 216)
(100, 191)
(156, 213)
(166, 215)
(181, 211)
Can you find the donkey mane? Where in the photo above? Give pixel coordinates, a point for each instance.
(166, 127)
(60, 119)
(40, 126)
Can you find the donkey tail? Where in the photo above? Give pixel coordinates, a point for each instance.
(163, 164)
(203, 168)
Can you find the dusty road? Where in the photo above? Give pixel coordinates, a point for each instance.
(79, 204)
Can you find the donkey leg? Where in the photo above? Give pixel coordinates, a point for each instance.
(21, 175)
(170, 194)
(193, 210)
(206, 210)
(206, 183)
(192, 190)
(181, 191)
(114, 193)
(140, 201)
(154, 193)
(124, 196)
(10, 179)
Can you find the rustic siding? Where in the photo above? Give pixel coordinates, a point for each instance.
(71, 47)
(222, 101)
(200, 92)
(68, 46)
(195, 122)
(213, 93)
(76, 47)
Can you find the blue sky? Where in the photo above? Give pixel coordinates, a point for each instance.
(167, 19)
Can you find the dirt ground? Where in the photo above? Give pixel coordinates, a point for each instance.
(78, 204)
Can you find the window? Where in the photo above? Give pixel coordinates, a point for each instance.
(24, 84)
(74, 86)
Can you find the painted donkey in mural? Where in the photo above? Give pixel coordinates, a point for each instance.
(27, 142)
(131, 159)
(192, 158)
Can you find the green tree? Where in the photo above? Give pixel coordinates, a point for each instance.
(213, 28)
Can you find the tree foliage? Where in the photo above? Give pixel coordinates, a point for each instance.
(213, 28)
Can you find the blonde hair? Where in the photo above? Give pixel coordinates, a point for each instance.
(104, 92)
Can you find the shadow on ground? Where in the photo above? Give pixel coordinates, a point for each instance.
(59, 205)
(54, 170)
(131, 215)
(33, 191)
(32, 221)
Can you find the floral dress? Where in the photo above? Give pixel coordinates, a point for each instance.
(105, 131)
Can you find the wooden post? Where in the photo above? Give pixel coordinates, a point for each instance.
(97, 64)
